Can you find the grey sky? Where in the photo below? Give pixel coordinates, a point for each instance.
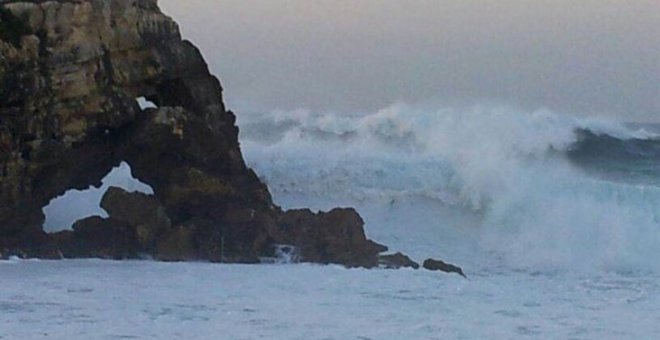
(578, 56)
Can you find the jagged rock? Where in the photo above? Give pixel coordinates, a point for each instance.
(333, 237)
(396, 261)
(70, 73)
(99, 237)
(68, 114)
(432, 264)
(141, 211)
(66, 93)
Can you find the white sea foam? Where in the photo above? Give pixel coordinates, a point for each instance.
(505, 168)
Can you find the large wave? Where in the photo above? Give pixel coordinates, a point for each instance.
(546, 190)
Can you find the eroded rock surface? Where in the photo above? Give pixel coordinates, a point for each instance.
(70, 73)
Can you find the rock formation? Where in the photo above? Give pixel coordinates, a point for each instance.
(70, 73)
(396, 261)
(434, 265)
(333, 237)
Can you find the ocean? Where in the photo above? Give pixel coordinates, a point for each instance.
(555, 220)
(533, 191)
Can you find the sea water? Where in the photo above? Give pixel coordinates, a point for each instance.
(93, 299)
(554, 219)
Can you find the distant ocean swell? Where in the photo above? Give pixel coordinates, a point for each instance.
(548, 190)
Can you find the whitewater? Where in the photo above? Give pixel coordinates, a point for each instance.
(554, 219)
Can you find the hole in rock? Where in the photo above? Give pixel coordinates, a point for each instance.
(145, 103)
(64, 210)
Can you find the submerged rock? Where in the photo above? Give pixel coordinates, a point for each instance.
(432, 264)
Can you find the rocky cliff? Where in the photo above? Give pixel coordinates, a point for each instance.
(70, 73)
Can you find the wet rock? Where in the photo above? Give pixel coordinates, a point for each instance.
(30, 244)
(98, 237)
(336, 236)
(432, 264)
(396, 261)
(177, 245)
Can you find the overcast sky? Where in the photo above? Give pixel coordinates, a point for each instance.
(572, 56)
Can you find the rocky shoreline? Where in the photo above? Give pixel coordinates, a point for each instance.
(70, 74)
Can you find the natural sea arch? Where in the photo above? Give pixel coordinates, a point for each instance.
(73, 205)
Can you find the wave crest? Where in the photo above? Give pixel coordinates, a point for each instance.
(523, 174)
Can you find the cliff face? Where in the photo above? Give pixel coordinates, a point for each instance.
(70, 73)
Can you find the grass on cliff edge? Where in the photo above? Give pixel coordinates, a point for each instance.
(12, 28)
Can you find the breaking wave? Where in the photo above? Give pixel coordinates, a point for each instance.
(547, 190)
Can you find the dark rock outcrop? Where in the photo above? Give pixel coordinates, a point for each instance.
(141, 211)
(70, 73)
(432, 264)
(333, 237)
(396, 261)
(99, 237)
(12, 28)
